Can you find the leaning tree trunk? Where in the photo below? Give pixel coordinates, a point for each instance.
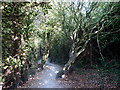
(72, 57)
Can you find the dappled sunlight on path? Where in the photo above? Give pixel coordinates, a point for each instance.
(83, 78)
(46, 78)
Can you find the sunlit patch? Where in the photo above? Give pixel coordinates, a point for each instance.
(39, 83)
(50, 67)
(50, 74)
(37, 77)
(56, 71)
(30, 78)
(46, 81)
(47, 78)
(63, 76)
(64, 69)
(44, 66)
(47, 66)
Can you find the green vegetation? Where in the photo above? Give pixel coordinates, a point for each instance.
(74, 35)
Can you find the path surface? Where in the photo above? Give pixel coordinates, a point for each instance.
(46, 78)
(84, 78)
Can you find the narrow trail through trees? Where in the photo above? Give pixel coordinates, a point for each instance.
(84, 78)
(46, 78)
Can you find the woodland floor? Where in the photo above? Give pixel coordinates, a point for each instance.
(84, 78)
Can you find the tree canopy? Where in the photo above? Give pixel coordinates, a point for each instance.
(72, 34)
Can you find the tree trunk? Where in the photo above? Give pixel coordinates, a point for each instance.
(73, 55)
(91, 62)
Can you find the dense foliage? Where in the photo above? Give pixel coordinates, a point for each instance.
(73, 24)
(19, 40)
(72, 34)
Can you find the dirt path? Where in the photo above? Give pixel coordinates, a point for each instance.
(46, 78)
(90, 78)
